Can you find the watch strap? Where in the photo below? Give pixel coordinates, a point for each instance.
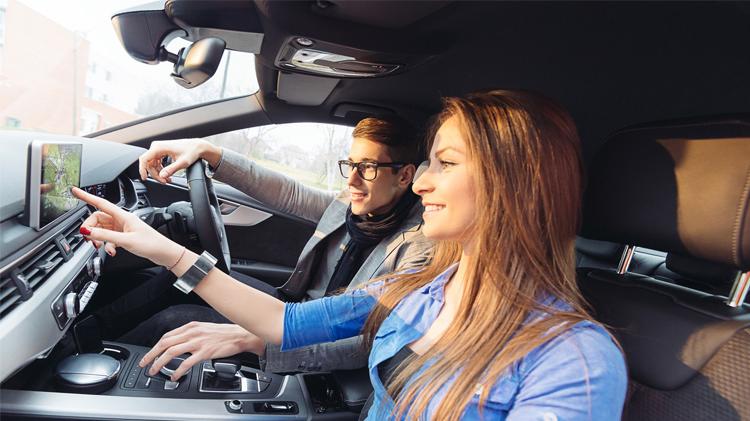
(196, 272)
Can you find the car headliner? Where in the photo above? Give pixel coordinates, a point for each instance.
(611, 64)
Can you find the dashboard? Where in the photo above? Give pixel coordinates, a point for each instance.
(113, 191)
(126, 192)
(47, 277)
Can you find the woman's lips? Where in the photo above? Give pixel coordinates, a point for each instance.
(432, 209)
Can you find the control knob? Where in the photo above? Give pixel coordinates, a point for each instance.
(72, 307)
(97, 266)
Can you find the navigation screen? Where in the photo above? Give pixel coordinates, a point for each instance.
(61, 169)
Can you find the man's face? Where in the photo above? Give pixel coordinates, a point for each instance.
(378, 196)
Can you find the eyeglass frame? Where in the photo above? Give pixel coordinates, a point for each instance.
(358, 166)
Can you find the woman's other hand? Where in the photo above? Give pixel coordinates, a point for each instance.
(204, 341)
(183, 153)
(115, 227)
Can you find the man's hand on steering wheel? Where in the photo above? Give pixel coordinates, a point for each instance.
(186, 154)
(183, 153)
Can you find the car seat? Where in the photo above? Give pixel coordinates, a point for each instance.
(682, 187)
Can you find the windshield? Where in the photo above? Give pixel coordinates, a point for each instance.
(63, 70)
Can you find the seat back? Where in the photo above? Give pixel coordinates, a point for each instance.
(683, 188)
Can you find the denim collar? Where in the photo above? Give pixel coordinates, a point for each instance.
(436, 288)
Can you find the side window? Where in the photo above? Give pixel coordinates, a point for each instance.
(307, 152)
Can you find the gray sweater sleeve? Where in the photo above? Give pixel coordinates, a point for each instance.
(345, 354)
(272, 188)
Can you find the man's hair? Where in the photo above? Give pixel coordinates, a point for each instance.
(396, 133)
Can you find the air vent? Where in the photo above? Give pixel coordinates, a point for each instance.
(32, 273)
(142, 200)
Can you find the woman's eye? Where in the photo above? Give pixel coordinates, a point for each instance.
(446, 164)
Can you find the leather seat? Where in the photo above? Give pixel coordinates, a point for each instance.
(697, 274)
(597, 254)
(684, 188)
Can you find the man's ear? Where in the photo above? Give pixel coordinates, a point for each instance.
(407, 174)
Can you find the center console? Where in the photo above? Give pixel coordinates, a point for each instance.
(55, 366)
(109, 384)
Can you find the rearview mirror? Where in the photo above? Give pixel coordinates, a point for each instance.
(196, 63)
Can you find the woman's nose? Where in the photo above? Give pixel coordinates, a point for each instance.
(422, 182)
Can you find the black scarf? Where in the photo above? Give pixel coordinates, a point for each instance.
(365, 233)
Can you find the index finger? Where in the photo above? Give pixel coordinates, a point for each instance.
(152, 354)
(186, 365)
(98, 219)
(98, 202)
(154, 153)
(164, 343)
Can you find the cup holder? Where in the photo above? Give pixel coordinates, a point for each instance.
(87, 373)
(92, 372)
(117, 352)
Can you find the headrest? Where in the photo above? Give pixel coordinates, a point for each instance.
(701, 270)
(680, 187)
(601, 250)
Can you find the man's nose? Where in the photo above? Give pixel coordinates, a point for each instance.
(354, 179)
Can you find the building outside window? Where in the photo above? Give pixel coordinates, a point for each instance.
(12, 123)
(89, 121)
(2, 23)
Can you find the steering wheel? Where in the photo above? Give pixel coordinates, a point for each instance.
(207, 216)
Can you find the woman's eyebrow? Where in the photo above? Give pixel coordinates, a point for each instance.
(446, 149)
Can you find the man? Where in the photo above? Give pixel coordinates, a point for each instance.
(370, 229)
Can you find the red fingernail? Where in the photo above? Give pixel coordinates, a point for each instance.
(84, 230)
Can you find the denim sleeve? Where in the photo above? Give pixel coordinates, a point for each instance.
(326, 320)
(579, 375)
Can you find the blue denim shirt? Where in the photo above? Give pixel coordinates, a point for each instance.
(579, 375)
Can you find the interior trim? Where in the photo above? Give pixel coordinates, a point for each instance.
(99, 407)
(191, 122)
(51, 237)
(242, 215)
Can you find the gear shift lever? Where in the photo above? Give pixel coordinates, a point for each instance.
(226, 368)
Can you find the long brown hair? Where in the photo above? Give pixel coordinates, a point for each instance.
(525, 154)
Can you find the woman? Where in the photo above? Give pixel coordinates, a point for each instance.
(494, 327)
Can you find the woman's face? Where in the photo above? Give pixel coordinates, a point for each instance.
(447, 187)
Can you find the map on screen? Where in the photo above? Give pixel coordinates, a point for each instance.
(61, 169)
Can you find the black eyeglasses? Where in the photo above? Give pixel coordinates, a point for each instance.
(366, 170)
